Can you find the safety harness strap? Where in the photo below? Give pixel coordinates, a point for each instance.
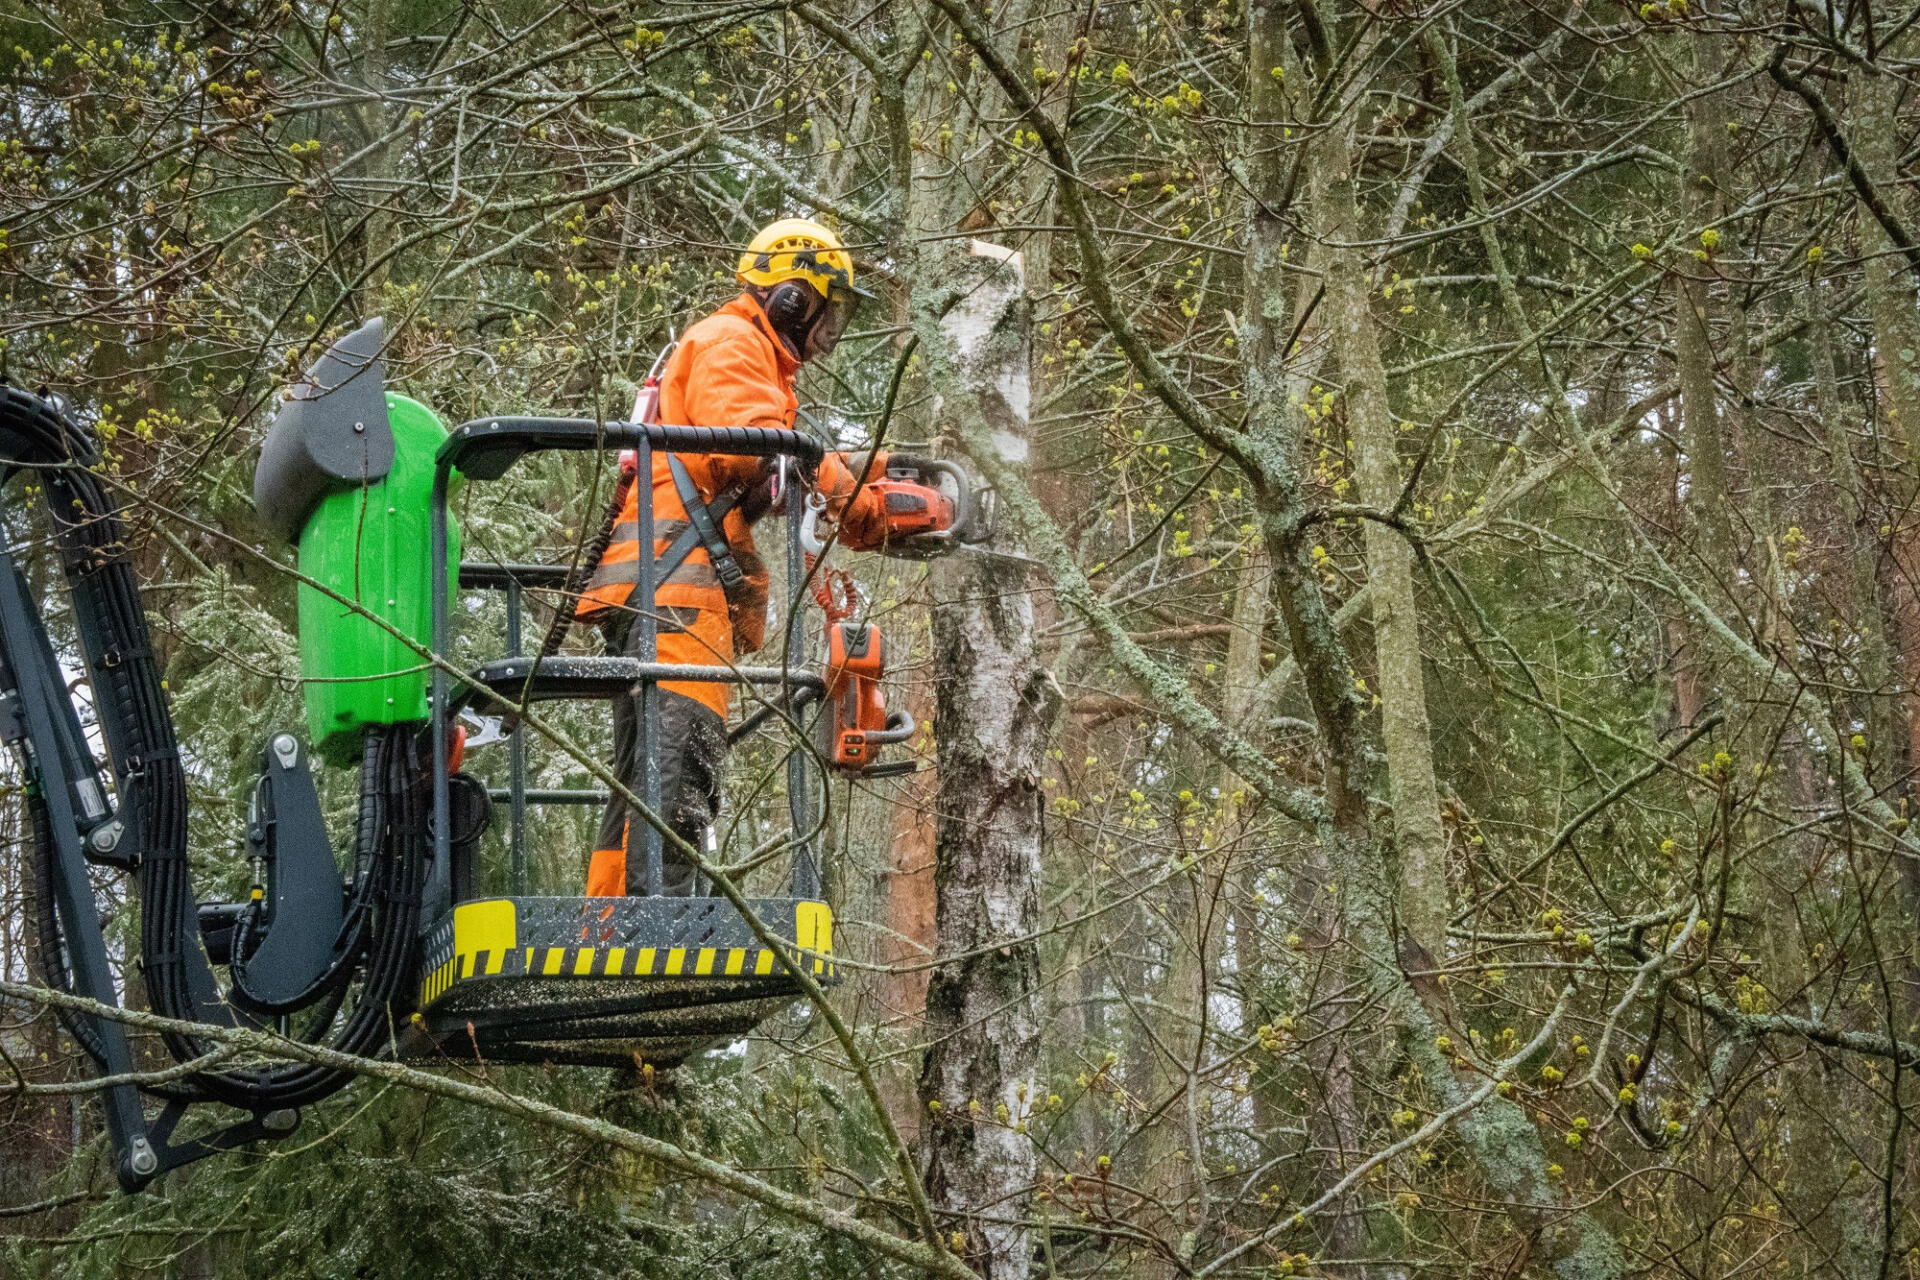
(704, 525)
(711, 514)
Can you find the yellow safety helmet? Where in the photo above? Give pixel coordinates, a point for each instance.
(799, 249)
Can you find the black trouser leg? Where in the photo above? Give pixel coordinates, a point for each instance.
(693, 743)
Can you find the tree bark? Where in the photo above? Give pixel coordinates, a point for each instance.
(1704, 501)
(996, 705)
(907, 896)
(1404, 730)
(1896, 341)
(1874, 666)
(1890, 291)
(1334, 1121)
(379, 165)
(1707, 496)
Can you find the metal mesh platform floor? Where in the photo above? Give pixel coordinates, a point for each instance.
(597, 981)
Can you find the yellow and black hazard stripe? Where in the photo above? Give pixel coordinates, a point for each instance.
(485, 944)
(615, 962)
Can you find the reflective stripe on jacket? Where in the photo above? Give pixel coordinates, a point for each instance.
(728, 371)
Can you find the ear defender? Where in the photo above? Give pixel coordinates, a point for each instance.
(791, 311)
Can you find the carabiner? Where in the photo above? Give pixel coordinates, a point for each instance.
(810, 540)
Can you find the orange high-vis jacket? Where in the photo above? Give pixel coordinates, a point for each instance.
(729, 370)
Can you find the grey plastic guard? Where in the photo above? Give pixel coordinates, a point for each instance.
(334, 434)
(286, 831)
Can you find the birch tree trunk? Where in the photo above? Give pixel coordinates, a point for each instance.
(996, 704)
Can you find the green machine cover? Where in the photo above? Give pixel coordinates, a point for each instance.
(370, 545)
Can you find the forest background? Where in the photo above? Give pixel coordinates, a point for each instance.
(1418, 783)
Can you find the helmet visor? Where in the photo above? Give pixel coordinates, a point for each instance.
(832, 323)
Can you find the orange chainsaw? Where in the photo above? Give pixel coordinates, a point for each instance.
(858, 723)
(926, 509)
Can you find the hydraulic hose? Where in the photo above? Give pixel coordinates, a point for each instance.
(150, 783)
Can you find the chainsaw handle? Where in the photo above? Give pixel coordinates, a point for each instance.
(900, 727)
(927, 545)
(963, 497)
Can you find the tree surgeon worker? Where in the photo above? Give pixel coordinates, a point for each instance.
(734, 368)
